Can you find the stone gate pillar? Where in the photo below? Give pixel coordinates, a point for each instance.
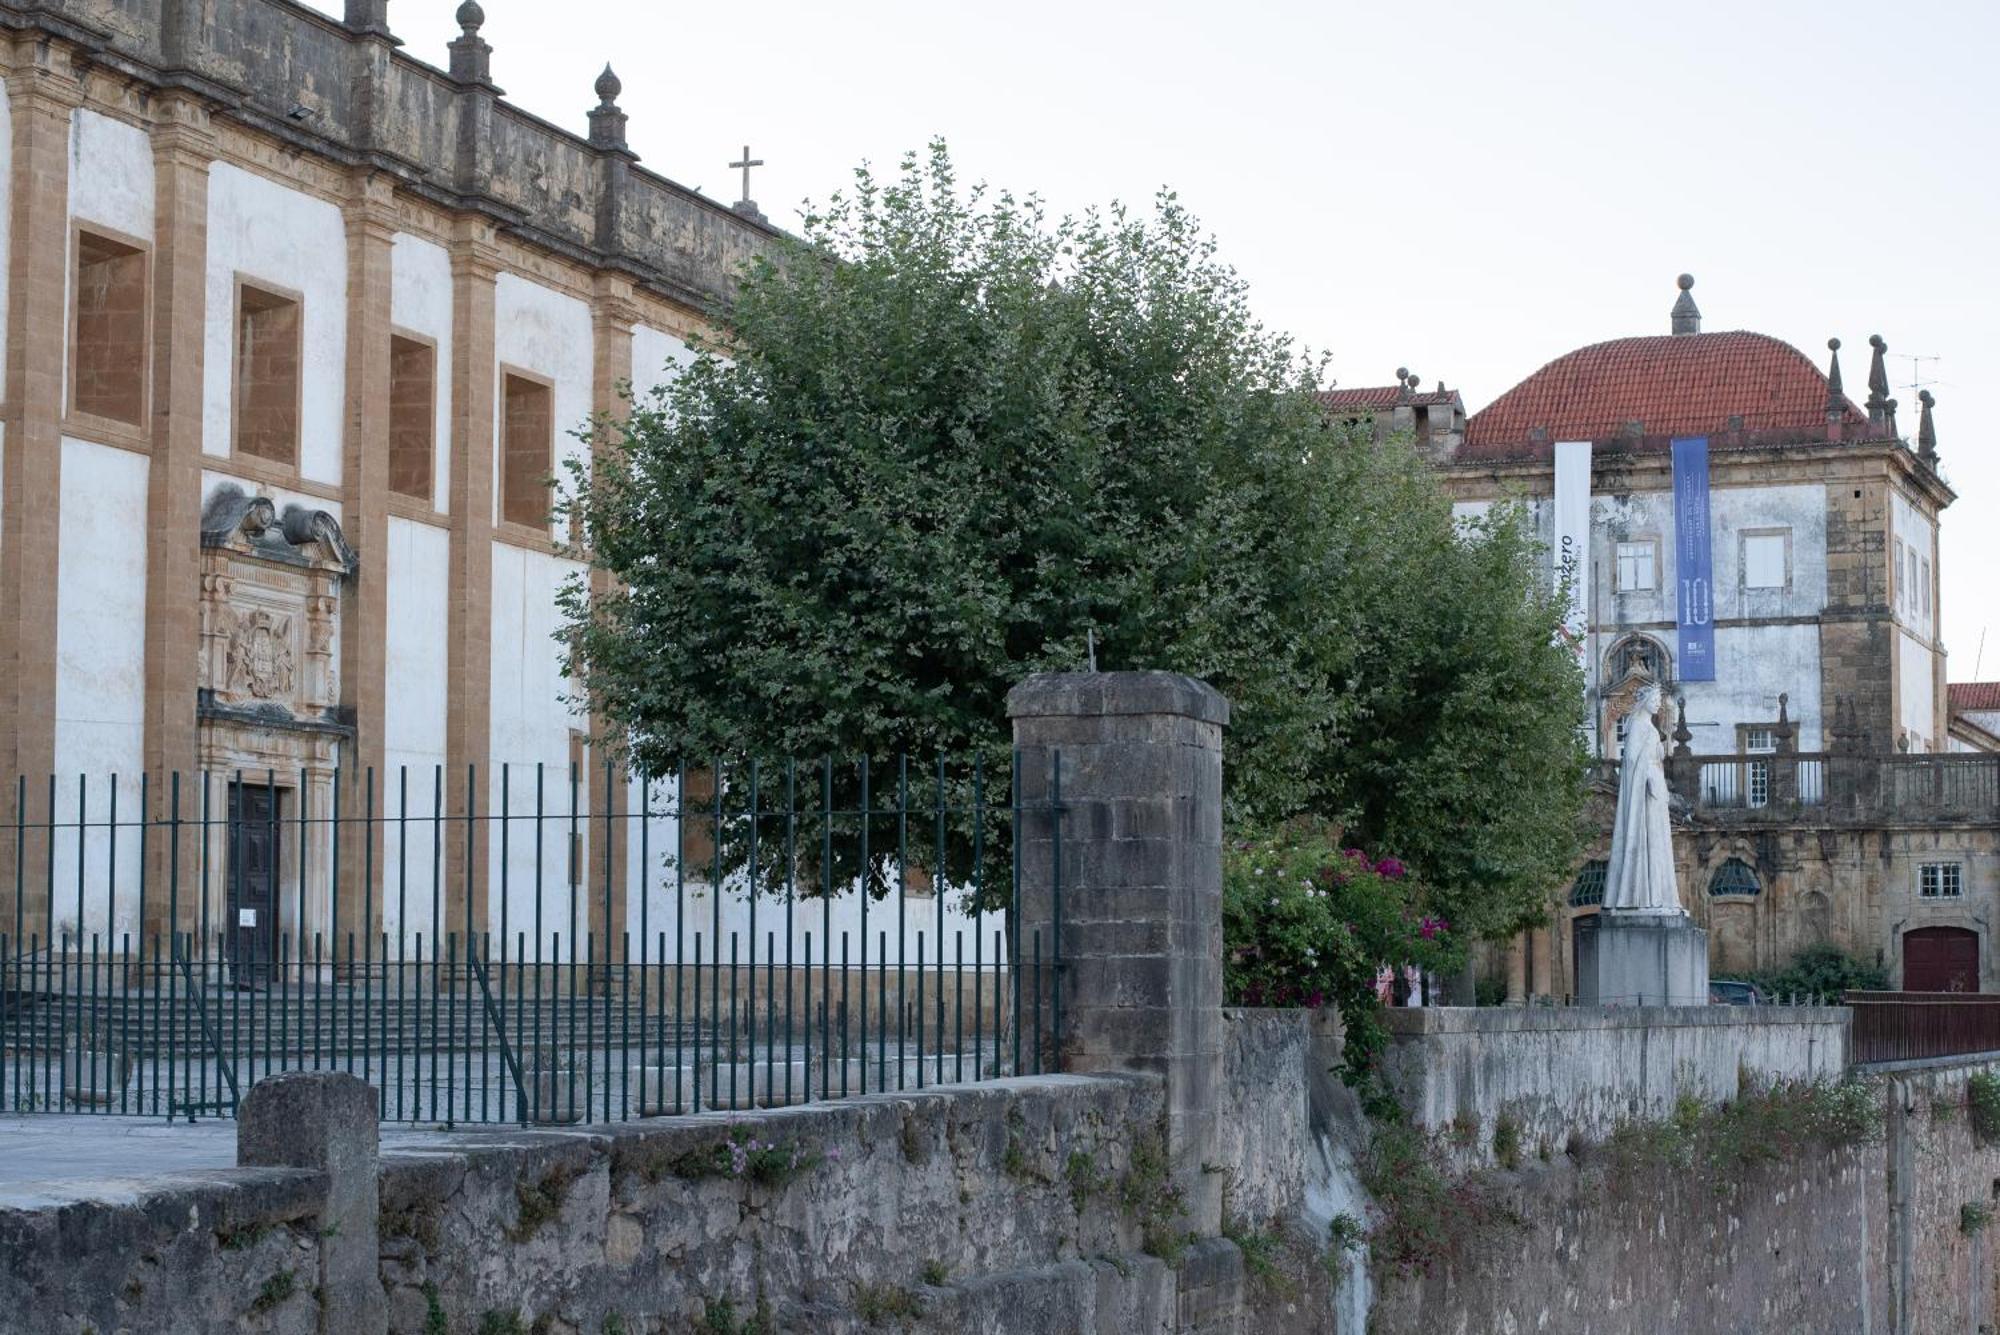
(1139, 936)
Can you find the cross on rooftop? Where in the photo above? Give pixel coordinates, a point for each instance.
(746, 164)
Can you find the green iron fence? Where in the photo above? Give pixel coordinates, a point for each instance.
(541, 949)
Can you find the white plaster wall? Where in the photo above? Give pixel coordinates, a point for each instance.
(280, 496)
(1916, 703)
(414, 706)
(1753, 665)
(293, 241)
(1908, 526)
(1634, 516)
(547, 332)
(665, 914)
(541, 330)
(413, 792)
(420, 301)
(110, 173)
(100, 679)
(531, 724)
(658, 358)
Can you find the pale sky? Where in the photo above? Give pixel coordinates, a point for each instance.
(1469, 189)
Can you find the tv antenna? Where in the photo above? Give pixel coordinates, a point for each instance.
(1918, 380)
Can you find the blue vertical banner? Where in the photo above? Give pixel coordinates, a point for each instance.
(1694, 559)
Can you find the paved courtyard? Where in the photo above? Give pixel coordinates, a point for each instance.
(49, 1158)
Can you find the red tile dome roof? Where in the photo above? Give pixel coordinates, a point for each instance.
(1673, 385)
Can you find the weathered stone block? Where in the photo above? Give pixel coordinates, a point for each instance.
(325, 1121)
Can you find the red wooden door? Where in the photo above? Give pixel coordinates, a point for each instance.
(1940, 959)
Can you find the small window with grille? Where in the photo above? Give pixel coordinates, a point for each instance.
(1588, 887)
(1940, 880)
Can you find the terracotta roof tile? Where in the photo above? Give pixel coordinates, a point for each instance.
(1674, 385)
(1970, 697)
(1382, 396)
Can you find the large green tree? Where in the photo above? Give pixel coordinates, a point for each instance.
(948, 441)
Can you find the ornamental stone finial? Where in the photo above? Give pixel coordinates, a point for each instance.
(1926, 428)
(1878, 381)
(471, 57)
(1686, 315)
(607, 122)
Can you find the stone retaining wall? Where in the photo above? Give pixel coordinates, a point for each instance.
(1559, 1072)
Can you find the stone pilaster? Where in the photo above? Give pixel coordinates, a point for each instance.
(183, 146)
(612, 316)
(365, 485)
(468, 740)
(1131, 929)
(1857, 640)
(42, 89)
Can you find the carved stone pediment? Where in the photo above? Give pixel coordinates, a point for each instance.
(270, 612)
(253, 525)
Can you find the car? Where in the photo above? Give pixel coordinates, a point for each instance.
(1735, 992)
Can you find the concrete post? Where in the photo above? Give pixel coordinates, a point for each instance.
(325, 1121)
(1140, 888)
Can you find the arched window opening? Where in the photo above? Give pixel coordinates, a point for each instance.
(1734, 877)
(1588, 888)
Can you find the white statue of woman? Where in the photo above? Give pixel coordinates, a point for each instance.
(1641, 876)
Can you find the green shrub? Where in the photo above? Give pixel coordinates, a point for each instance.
(276, 1289)
(1762, 1126)
(1149, 1196)
(435, 1321)
(1982, 1101)
(1425, 1215)
(1822, 975)
(540, 1201)
(879, 1303)
(1973, 1217)
(769, 1163)
(1507, 1141)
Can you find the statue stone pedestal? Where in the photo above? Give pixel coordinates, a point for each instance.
(1641, 959)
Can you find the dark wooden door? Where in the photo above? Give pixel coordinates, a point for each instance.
(253, 881)
(1940, 959)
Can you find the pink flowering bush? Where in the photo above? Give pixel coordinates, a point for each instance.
(1308, 922)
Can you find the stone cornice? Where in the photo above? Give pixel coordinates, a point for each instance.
(672, 242)
(1474, 479)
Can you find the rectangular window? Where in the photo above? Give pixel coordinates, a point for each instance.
(1764, 560)
(1757, 773)
(108, 355)
(527, 441)
(412, 415)
(1940, 880)
(695, 811)
(1635, 567)
(268, 329)
(1924, 587)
